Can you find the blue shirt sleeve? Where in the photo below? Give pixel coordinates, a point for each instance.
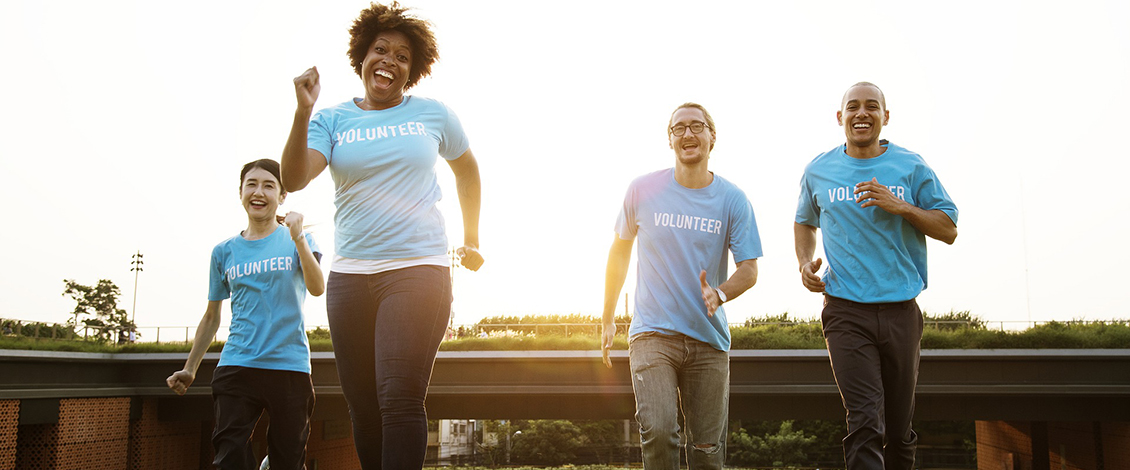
(453, 143)
(931, 195)
(319, 135)
(218, 287)
(745, 241)
(626, 223)
(807, 212)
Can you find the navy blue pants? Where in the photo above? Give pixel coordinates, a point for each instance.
(874, 350)
(386, 329)
(240, 395)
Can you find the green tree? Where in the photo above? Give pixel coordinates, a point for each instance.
(602, 439)
(99, 305)
(547, 442)
(492, 444)
(785, 448)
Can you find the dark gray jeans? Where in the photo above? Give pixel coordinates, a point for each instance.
(386, 329)
(874, 350)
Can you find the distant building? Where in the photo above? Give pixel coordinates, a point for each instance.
(451, 441)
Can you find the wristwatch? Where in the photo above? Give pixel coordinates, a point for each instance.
(721, 295)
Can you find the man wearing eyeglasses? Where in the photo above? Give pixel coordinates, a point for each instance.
(687, 219)
(876, 202)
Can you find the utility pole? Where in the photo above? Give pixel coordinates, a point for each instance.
(137, 269)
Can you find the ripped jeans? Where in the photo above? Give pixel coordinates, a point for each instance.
(670, 372)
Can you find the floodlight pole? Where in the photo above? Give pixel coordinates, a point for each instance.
(137, 269)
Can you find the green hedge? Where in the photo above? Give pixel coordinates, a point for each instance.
(783, 335)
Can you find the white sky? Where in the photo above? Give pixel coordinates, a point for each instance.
(125, 125)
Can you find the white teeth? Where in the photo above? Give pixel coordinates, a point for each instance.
(861, 125)
(383, 73)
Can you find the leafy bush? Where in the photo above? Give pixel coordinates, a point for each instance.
(785, 448)
(769, 332)
(953, 321)
(547, 442)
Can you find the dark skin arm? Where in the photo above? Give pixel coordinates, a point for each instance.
(933, 223)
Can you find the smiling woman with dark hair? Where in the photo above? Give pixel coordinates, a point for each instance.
(266, 270)
(389, 290)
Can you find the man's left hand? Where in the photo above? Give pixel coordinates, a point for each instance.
(871, 193)
(709, 295)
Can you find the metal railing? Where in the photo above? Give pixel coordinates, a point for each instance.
(185, 334)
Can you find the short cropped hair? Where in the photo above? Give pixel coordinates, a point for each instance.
(882, 97)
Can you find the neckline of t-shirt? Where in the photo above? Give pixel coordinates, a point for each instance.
(403, 101)
(244, 240)
(677, 184)
(865, 161)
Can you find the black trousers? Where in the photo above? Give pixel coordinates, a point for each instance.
(240, 395)
(874, 350)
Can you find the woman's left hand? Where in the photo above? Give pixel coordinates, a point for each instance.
(293, 221)
(469, 257)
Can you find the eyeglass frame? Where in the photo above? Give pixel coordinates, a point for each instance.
(671, 130)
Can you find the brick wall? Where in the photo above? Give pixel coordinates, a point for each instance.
(9, 427)
(1005, 445)
(92, 434)
(335, 453)
(1116, 445)
(174, 445)
(1071, 446)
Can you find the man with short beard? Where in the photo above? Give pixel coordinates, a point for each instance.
(686, 219)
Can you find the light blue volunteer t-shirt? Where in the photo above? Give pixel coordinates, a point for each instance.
(264, 280)
(873, 256)
(383, 167)
(681, 232)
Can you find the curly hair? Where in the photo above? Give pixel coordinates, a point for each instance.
(378, 18)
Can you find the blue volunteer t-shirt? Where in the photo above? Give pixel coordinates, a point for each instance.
(873, 256)
(264, 280)
(681, 232)
(383, 167)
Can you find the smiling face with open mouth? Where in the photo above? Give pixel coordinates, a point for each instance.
(863, 116)
(691, 147)
(385, 70)
(260, 194)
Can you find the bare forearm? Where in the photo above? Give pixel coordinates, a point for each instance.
(614, 275)
(296, 169)
(470, 202)
(804, 237)
(744, 277)
(205, 332)
(933, 223)
(311, 269)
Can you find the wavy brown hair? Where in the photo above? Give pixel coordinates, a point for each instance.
(393, 17)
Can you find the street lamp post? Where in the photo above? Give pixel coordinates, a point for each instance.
(508, 434)
(137, 269)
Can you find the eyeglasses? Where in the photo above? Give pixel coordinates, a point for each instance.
(696, 127)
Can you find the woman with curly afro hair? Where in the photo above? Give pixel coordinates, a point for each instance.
(389, 289)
